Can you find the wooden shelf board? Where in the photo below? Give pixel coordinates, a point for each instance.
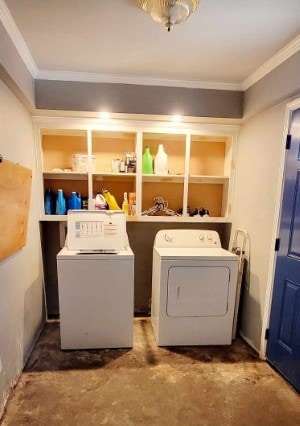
(208, 179)
(65, 175)
(114, 176)
(179, 219)
(163, 178)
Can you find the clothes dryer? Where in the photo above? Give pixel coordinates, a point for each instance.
(194, 284)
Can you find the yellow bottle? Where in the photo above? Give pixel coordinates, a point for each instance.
(125, 205)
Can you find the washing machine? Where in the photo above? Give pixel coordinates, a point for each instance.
(194, 283)
(96, 282)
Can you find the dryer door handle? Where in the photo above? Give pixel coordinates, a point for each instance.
(177, 292)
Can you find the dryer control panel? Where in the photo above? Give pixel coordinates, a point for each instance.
(187, 238)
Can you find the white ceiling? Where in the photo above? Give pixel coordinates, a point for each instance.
(223, 41)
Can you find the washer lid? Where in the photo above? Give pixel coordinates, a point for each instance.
(93, 255)
(196, 253)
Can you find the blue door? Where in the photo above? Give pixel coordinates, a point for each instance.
(283, 347)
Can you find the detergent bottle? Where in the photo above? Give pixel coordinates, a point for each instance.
(125, 204)
(100, 202)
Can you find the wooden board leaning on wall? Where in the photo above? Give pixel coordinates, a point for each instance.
(15, 186)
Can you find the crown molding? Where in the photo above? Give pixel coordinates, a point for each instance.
(282, 55)
(17, 39)
(143, 81)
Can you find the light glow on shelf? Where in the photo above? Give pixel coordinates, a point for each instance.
(177, 118)
(104, 114)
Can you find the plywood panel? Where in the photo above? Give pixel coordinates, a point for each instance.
(207, 158)
(15, 186)
(171, 193)
(174, 146)
(58, 150)
(208, 196)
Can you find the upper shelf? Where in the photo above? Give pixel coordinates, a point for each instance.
(208, 179)
(114, 176)
(163, 178)
(65, 175)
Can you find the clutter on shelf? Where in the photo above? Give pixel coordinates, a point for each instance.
(201, 212)
(126, 165)
(160, 208)
(80, 163)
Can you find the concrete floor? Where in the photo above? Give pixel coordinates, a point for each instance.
(148, 385)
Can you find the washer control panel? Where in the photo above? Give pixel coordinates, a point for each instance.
(187, 238)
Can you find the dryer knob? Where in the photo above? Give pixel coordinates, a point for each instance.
(209, 237)
(201, 237)
(169, 238)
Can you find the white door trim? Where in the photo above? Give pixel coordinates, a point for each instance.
(290, 107)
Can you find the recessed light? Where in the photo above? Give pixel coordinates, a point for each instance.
(104, 114)
(177, 118)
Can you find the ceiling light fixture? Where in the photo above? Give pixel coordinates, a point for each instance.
(169, 12)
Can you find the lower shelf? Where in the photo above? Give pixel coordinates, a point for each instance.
(178, 219)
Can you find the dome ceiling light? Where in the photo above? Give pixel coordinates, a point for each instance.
(169, 12)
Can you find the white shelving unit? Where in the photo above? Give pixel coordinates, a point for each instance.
(200, 157)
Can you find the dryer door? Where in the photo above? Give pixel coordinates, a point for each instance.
(197, 291)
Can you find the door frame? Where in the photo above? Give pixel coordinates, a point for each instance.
(290, 107)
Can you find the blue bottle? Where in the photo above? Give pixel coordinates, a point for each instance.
(48, 202)
(74, 201)
(60, 203)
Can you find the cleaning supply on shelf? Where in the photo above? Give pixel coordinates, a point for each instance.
(147, 162)
(161, 161)
(132, 204)
(125, 204)
(100, 202)
(110, 199)
(74, 201)
(48, 202)
(60, 203)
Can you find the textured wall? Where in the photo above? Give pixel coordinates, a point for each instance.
(256, 180)
(21, 284)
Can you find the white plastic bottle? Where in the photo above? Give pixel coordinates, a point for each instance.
(161, 161)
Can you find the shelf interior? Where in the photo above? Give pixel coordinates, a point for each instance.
(59, 149)
(207, 158)
(208, 196)
(108, 146)
(174, 146)
(171, 193)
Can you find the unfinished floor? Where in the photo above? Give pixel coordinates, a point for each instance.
(148, 385)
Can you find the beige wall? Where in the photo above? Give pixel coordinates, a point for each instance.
(258, 160)
(21, 286)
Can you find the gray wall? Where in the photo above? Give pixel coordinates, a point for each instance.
(135, 99)
(13, 71)
(282, 83)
